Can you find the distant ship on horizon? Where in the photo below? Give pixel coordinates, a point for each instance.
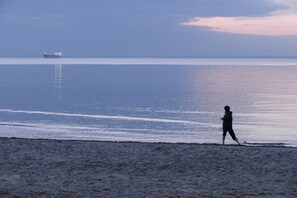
(55, 55)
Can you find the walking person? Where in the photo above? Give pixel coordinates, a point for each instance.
(227, 125)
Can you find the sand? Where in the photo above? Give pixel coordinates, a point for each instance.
(55, 168)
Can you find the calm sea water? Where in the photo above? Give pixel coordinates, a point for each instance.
(149, 100)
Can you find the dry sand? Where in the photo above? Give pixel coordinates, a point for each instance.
(54, 168)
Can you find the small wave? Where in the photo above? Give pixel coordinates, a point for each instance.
(264, 144)
(126, 118)
(15, 124)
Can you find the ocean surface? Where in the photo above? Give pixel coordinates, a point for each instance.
(149, 100)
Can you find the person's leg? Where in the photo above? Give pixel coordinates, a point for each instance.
(231, 132)
(224, 135)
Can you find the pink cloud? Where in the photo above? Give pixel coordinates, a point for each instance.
(277, 23)
(274, 25)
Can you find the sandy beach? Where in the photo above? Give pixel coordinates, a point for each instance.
(56, 168)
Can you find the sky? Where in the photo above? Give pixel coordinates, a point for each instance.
(149, 28)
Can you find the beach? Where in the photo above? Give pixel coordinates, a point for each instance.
(63, 168)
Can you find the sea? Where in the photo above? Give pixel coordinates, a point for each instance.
(149, 99)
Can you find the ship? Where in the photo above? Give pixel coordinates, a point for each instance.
(55, 55)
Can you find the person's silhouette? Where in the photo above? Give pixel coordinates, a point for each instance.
(227, 125)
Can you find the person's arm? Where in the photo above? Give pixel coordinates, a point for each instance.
(227, 117)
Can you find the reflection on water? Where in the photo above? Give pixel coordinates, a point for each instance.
(58, 82)
(166, 103)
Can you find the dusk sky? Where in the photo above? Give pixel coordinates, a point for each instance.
(149, 28)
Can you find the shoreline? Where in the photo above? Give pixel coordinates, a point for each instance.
(83, 168)
(244, 144)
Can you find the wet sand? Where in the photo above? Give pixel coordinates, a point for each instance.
(55, 168)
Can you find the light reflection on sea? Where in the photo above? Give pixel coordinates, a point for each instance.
(151, 100)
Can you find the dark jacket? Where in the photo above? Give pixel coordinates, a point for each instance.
(227, 119)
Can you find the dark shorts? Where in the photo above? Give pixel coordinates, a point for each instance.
(231, 132)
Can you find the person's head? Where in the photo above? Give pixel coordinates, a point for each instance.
(227, 108)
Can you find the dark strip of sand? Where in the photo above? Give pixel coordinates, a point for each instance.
(56, 168)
